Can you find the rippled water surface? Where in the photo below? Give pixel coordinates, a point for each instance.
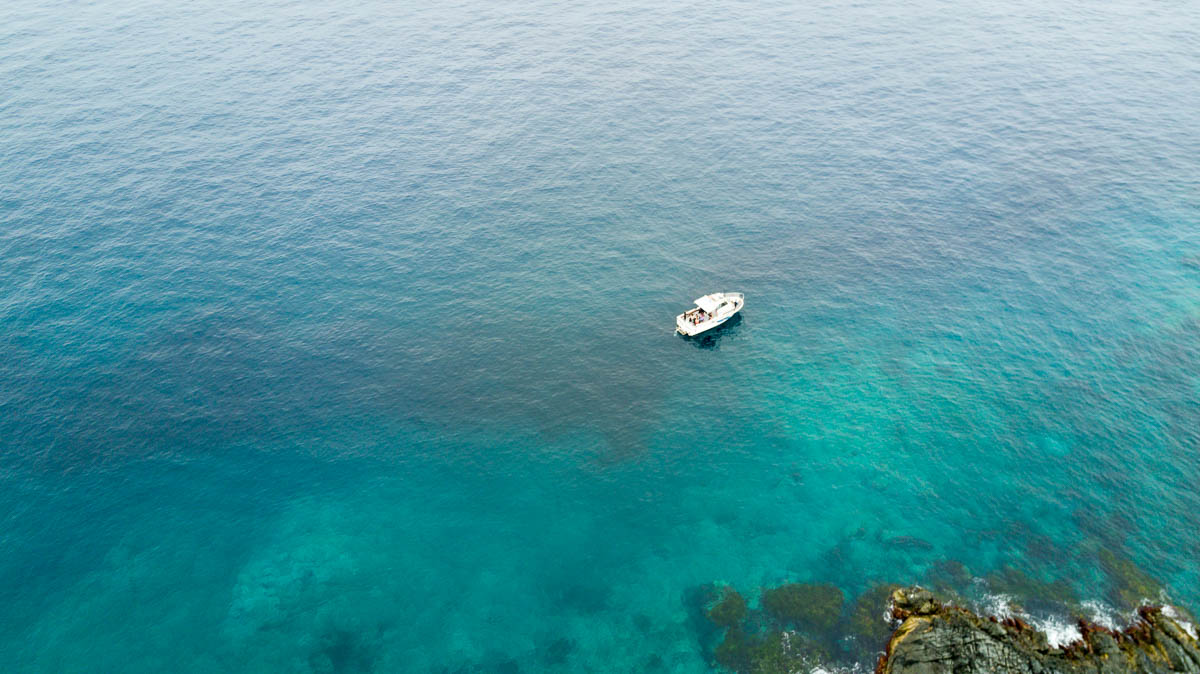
(336, 337)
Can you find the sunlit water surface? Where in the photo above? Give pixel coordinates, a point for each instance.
(336, 337)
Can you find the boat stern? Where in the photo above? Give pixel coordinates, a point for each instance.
(682, 326)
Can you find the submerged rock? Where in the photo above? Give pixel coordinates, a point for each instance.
(775, 652)
(804, 605)
(729, 610)
(1131, 586)
(868, 626)
(935, 638)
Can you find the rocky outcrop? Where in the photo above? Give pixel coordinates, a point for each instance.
(935, 638)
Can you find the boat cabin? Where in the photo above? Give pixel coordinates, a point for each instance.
(710, 311)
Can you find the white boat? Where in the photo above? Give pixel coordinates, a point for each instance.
(710, 311)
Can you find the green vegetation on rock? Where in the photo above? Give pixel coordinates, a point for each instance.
(729, 610)
(867, 623)
(804, 605)
(1130, 585)
(735, 652)
(949, 575)
(776, 652)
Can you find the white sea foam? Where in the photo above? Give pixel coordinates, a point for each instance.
(1059, 631)
(1104, 615)
(1174, 614)
(999, 605)
(825, 669)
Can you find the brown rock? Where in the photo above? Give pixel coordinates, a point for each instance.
(939, 639)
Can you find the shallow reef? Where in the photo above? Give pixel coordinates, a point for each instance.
(1130, 585)
(794, 626)
(788, 631)
(865, 626)
(768, 653)
(729, 610)
(1032, 592)
(804, 606)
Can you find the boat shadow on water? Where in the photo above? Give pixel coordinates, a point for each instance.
(711, 339)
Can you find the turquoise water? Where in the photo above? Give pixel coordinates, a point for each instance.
(337, 337)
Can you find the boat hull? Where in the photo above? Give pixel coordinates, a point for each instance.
(686, 328)
(690, 330)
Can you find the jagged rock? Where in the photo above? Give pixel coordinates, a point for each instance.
(939, 639)
(913, 601)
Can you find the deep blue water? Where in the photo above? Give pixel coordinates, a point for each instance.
(336, 337)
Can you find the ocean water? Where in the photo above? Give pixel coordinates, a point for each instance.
(337, 337)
